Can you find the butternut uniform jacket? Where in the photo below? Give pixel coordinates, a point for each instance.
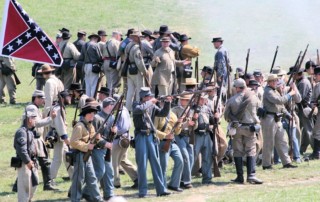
(81, 135)
(70, 51)
(159, 123)
(51, 90)
(163, 70)
(113, 47)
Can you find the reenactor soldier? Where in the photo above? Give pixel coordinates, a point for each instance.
(258, 76)
(203, 142)
(26, 151)
(272, 129)
(183, 138)
(7, 78)
(164, 126)
(120, 148)
(110, 56)
(81, 144)
(58, 135)
(305, 90)
(78, 44)
(221, 62)
(38, 101)
(92, 57)
(40, 81)
(291, 120)
(190, 84)
(147, 51)
(70, 56)
(104, 92)
(124, 44)
(102, 168)
(315, 102)
(78, 93)
(146, 142)
(58, 40)
(310, 66)
(186, 52)
(165, 32)
(246, 124)
(279, 72)
(52, 87)
(164, 62)
(207, 77)
(137, 71)
(103, 38)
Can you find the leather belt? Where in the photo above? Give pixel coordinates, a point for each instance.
(110, 58)
(247, 124)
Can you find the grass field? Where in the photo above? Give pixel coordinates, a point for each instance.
(259, 25)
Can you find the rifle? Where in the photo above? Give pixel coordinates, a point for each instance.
(290, 131)
(99, 131)
(229, 90)
(318, 58)
(144, 76)
(216, 170)
(75, 116)
(274, 59)
(167, 143)
(192, 135)
(111, 136)
(97, 86)
(185, 93)
(61, 106)
(197, 69)
(296, 68)
(247, 62)
(303, 56)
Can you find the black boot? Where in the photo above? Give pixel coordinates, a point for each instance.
(316, 151)
(239, 167)
(135, 185)
(15, 186)
(251, 171)
(47, 182)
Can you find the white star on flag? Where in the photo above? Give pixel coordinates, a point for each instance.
(28, 35)
(43, 39)
(37, 29)
(24, 12)
(10, 48)
(30, 21)
(49, 47)
(55, 56)
(19, 42)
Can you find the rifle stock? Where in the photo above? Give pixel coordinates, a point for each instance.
(97, 86)
(197, 69)
(16, 78)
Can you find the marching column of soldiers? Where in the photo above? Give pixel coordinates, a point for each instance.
(148, 77)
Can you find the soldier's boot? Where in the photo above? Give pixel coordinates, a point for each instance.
(251, 171)
(239, 168)
(15, 186)
(316, 151)
(47, 181)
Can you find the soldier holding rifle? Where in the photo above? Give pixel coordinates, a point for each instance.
(167, 128)
(146, 143)
(82, 133)
(182, 140)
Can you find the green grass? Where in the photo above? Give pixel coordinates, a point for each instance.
(260, 26)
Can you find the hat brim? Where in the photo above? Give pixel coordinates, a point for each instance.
(87, 111)
(186, 39)
(49, 70)
(189, 84)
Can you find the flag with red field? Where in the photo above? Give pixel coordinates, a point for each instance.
(22, 38)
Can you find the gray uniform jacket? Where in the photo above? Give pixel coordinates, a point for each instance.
(24, 144)
(90, 53)
(139, 118)
(99, 119)
(272, 100)
(305, 90)
(248, 114)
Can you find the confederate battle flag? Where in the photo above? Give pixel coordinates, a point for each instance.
(22, 38)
